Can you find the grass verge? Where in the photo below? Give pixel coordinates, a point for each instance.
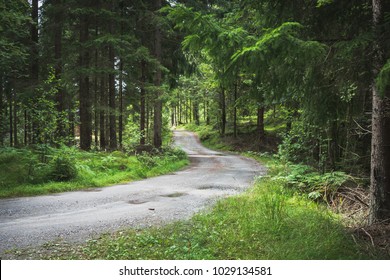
(31, 172)
(267, 222)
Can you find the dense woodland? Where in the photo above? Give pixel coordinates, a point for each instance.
(108, 75)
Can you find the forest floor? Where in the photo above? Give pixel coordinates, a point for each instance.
(77, 216)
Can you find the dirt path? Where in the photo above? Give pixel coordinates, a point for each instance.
(77, 216)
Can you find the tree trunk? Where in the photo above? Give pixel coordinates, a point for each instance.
(148, 112)
(58, 16)
(380, 142)
(71, 132)
(195, 111)
(34, 68)
(96, 93)
(260, 124)
(120, 132)
(157, 126)
(34, 41)
(222, 102)
(204, 107)
(11, 133)
(111, 100)
(84, 92)
(143, 104)
(1, 112)
(120, 121)
(15, 119)
(102, 114)
(235, 111)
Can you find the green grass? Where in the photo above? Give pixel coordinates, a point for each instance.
(267, 222)
(209, 137)
(26, 172)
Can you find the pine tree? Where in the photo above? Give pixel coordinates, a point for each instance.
(84, 80)
(380, 143)
(157, 124)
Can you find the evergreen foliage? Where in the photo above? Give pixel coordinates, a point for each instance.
(93, 73)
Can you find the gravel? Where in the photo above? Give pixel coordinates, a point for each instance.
(78, 216)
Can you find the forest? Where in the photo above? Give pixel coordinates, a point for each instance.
(307, 81)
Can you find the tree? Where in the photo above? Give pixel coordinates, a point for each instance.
(111, 87)
(157, 128)
(380, 143)
(84, 90)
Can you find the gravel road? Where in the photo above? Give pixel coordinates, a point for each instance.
(77, 216)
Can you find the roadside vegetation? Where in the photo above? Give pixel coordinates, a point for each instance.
(344, 191)
(295, 212)
(270, 221)
(44, 169)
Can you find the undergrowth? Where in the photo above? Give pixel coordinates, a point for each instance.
(26, 172)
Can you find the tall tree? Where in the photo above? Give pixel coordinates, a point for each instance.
(60, 98)
(112, 91)
(380, 143)
(34, 70)
(84, 90)
(157, 125)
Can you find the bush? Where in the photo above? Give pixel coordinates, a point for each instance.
(316, 185)
(147, 159)
(63, 169)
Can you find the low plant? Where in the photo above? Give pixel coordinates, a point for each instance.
(63, 169)
(317, 186)
(25, 172)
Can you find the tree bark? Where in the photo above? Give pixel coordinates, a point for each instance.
(195, 111)
(15, 119)
(120, 120)
(84, 92)
(143, 104)
(120, 128)
(222, 102)
(1, 112)
(102, 114)
(34, 67)
(96, 96)
(58, 17)
(34, 41)
(111, 100)
(157, 125)
(380, 142)
(260, 124)
(235, 111)
(11, 134)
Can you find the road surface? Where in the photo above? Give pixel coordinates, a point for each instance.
(78, 216)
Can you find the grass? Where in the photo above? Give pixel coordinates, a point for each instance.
(26, 172)
(267, 222)
(209, 137)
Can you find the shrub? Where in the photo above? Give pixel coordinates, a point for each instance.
(316, 185)
(147, 159)
(63, 169)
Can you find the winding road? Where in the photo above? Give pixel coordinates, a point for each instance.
(77, 216)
